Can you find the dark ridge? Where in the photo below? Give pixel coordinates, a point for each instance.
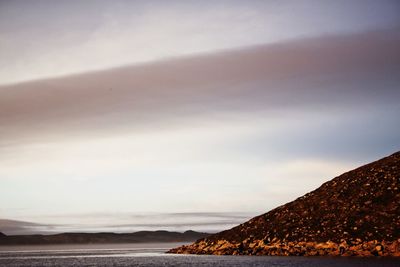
(95, 238)
(359, 205)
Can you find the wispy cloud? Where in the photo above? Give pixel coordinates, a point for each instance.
(330, 73)
(63, 37)
(216, 103)
(127, 222)
(200, 133)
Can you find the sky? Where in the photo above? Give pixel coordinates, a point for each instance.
(176, 115)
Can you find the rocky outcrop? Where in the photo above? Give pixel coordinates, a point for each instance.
(356, 213)
(279, 248)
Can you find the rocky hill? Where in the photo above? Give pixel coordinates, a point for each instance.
(356, 213)
(96, 238)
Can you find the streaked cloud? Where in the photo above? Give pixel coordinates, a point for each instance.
(200, 128)
(57, 38)
(329, 73)
(126, 222)
(12, 227)
(184, 134)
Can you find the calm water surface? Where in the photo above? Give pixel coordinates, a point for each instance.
(153, 255)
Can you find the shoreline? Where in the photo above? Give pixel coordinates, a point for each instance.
(356, 248)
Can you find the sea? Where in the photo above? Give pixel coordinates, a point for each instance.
(154, 255)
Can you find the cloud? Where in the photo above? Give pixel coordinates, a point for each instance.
(336, 72)
(127, 222)
(11, 227)
(53, 39)
(199, 133)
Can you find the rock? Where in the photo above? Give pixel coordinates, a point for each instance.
(355, 214)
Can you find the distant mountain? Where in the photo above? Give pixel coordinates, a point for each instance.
(94, 238)
(356, 213)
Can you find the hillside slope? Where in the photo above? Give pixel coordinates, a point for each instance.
(356, 213)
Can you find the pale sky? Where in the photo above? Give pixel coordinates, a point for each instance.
(177, 115)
